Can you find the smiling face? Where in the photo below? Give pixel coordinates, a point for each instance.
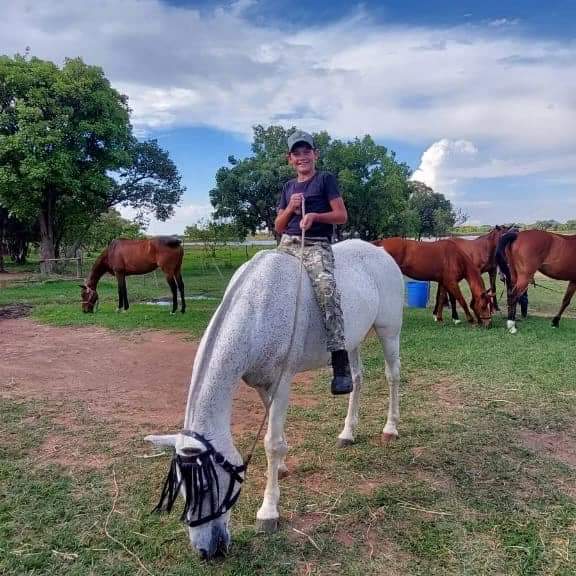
(303, 158)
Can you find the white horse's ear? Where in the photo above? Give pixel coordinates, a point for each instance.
(162, 439)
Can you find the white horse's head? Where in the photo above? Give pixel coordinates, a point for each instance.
(209, 481)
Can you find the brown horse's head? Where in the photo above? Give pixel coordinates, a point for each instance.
(483, 306)
(89, 298)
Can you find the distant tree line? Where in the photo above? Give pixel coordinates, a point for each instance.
(550, 225)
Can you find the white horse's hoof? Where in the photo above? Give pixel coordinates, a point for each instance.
(435, 318)
(511, 325)
(388, 437)
(344, 442)
(267, 525)
(456, 322)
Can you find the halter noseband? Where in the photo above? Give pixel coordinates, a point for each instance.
(197, 475)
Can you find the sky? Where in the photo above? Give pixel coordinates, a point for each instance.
(478, 98)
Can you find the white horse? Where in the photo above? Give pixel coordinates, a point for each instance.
(249, 337)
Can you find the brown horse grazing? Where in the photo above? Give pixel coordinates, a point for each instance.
(521, 254)
(482, 252)
(445, 263)
(128, 257)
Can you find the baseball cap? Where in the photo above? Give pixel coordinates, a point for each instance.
(299, 136)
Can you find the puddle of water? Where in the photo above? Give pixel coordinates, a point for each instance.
(168, 301)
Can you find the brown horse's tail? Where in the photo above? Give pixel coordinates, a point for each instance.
(501, 259)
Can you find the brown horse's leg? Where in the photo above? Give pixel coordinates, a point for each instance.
(570, 289)
(174, 287)
(518, 288)
(492, 277)
(122, 292)
(455, 317)
(439, 308)
(454, 290)
(437, 303)
(180, 283)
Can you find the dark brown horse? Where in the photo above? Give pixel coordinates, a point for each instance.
(445, 263)
(521, 254)
(128, 257)
(482, 252)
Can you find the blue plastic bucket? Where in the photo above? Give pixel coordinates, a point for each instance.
(417, 293)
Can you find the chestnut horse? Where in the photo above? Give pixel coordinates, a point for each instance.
(128, 257)
(521, 254)
(445, 263)
(482, 252)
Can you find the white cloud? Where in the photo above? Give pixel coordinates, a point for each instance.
(493, 102)
(439, 160)
(181, 66)
(183, 216)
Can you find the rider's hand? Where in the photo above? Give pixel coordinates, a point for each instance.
(295, 203)
(308, 220)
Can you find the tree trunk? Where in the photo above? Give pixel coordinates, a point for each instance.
(47, 237)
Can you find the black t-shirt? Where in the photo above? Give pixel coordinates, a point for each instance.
(318, 191)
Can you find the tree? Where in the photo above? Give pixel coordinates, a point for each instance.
(109, 226)
(373, 183)
(67, 152)
(248, 190)
(212, 234)
(15, 237)
(547, 225)
(436, 214)
(151, 183)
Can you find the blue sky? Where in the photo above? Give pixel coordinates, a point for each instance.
(477, 97)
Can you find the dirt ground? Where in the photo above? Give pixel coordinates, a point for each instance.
(136, 382)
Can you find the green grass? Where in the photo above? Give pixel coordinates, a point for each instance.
(58, 301)
(459, 493)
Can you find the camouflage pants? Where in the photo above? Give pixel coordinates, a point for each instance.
(319, 263)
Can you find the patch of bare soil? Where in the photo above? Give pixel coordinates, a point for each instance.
(14, 311)
(448, 393)
(136, 383)
(560, 446)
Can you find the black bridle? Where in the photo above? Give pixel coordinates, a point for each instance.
(197, 475)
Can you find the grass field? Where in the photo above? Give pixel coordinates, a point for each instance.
(481, 481)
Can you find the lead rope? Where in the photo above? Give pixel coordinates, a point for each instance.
(287, 357)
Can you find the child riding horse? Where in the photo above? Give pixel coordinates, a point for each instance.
(128, 257)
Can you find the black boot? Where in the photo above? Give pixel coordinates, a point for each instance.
(342, 381)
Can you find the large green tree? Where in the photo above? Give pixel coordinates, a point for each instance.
(15, 237)
(247, 191)
(67, 152)
(374, 184)
(436, 215)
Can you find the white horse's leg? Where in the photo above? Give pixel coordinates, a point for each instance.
(391, 345)
(268, 515)
(282, 468)
(346, 437)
